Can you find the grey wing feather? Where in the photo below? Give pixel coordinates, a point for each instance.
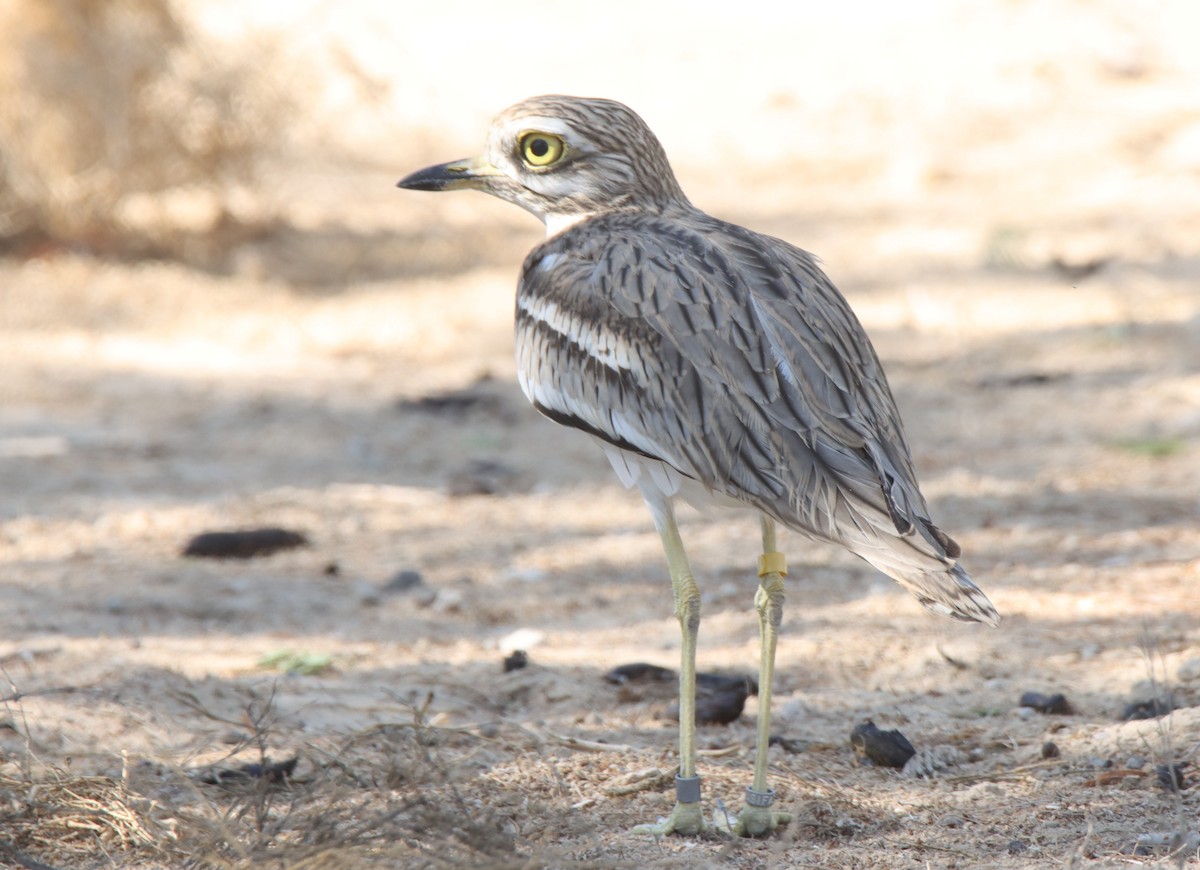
(741, 366)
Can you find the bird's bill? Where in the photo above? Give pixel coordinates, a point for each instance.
(468, 174)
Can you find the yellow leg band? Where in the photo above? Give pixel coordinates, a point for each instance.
(772, 563)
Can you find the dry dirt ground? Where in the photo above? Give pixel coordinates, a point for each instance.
(1032, 283)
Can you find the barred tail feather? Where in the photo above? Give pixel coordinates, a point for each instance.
(949, 591)
(935, 579)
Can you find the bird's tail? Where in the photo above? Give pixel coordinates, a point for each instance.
(925, 563)
(950, 592)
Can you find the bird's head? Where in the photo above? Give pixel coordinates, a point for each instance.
(564, 159)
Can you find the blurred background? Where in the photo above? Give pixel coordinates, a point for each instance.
(217, 311)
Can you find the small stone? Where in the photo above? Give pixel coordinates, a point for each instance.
(1052, 705)
(718, 707)
(1135, 762)
(1050, 749)
(1024, 713)
(1017, 847)
(243, 543)
(951, 821)
(1170, 776)
(885, 748)
(1099, 763)
(515, 661)
(640, 672)
(789, 744)
(1150, 709)
(403, 581)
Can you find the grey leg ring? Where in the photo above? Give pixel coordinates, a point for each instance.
(758, 798)
(687, 789)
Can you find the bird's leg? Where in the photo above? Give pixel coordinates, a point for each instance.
(687, 817)
(756, 817)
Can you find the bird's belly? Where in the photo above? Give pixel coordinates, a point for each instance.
(655, 478)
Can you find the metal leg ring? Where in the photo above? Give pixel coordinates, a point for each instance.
(687, 789)
(759, 798)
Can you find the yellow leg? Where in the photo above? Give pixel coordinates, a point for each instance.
(686, 818)
(756, 817)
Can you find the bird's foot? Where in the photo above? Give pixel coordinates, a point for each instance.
(687, 819)
(756, 818)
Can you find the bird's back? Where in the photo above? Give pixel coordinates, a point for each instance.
(730, 357)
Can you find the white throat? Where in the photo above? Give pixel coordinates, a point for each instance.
(556, 223)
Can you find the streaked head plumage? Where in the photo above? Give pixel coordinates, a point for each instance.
(563, 159)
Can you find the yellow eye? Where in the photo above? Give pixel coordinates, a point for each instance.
(542, 149)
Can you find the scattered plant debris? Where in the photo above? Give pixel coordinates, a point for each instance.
(302, 663)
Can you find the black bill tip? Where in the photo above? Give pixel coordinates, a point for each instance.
(456, 175)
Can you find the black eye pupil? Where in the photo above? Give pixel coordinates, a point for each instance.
(539, 147)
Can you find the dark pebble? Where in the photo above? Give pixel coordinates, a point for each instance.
(720, 698)
(1170, 777)
(726, 683)
(639, 672)
(1151, 709)
(516, 660)
(403, 581)
(716, 708)
(790, 745)
(1050, 749)
(1017, 847)
(1081, 270)
(1052, 705)
(332, 569)
(244, 544)
(885, 748)
(276, 773)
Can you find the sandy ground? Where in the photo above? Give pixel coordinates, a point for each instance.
(1026, 257)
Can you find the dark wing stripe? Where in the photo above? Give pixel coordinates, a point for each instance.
(565, 419)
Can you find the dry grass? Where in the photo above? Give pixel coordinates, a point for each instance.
(388, 795)
(65, 818)
(123, 131)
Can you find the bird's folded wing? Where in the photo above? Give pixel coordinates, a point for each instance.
(731, 357)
